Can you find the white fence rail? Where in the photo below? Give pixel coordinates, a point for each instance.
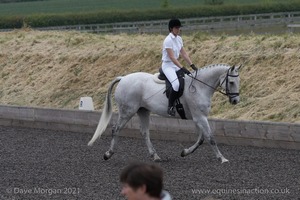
(206, 24)
(269, 21)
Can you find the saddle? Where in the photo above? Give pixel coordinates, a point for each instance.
(178, 105)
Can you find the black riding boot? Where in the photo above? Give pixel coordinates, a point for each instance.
(171, 108)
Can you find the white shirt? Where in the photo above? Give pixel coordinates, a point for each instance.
(165, 195)
(171, 42)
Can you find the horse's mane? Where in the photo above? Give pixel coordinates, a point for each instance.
(214, 66)
(210, 69)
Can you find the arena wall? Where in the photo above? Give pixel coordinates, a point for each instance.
(232, 132)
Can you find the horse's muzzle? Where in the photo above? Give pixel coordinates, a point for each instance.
(234, 100)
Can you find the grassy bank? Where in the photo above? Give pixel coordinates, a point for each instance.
(54, 69)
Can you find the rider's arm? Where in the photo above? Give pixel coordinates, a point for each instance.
(185, 56)
(172, 57)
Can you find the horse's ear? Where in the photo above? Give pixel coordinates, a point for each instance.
(240, 67)
(233, 67)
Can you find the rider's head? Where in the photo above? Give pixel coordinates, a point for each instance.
(174, 23)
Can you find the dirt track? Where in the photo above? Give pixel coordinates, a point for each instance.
(44, 162)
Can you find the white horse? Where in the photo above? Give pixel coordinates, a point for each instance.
(140, 93)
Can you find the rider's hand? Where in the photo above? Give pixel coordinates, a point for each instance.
(185, 70)
(194, 67)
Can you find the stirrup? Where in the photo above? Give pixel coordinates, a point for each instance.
(171, 111)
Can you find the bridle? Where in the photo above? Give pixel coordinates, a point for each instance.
(227, 92)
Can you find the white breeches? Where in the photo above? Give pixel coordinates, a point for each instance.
(169, 69)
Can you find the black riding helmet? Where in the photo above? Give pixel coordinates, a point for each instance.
(173, 23)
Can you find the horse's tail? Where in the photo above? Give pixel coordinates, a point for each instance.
(106, 113)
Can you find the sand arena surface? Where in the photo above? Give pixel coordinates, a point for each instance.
(41, 164)
(54, 69)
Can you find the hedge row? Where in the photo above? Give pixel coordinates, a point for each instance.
(13, 1)
(44, 20)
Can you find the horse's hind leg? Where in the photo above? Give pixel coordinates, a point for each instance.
(144, 115)
(122, 120)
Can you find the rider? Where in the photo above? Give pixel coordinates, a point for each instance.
(172, 48)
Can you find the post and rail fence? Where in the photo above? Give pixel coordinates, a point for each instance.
(259, 23)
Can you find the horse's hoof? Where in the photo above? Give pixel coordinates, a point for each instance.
(223, 160)
(183, 153)
(107, 155)
(156, 158)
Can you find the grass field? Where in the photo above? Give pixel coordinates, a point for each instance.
(75, 6)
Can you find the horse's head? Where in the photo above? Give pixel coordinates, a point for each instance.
(230, 82)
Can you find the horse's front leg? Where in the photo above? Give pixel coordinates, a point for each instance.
(203, 125)
(200, 140)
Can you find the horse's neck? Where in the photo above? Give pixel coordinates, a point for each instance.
(210, 77)
(211, 74)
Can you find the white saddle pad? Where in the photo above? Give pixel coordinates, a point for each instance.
(157, 80)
